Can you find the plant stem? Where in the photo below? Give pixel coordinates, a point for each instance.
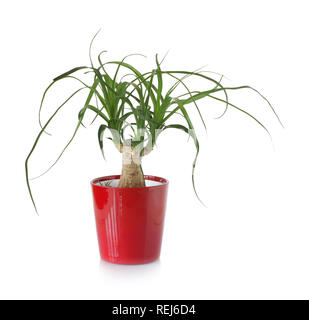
(131, 175)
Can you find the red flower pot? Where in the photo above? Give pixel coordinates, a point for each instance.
(129, 220)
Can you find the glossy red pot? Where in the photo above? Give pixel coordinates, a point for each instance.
(129, 220)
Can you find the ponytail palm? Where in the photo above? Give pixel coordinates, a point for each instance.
(137, 111)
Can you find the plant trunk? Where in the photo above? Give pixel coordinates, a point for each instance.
(132, 175)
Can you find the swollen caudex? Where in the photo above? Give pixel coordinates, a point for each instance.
(131, 175)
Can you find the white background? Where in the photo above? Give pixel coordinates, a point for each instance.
(252, 240)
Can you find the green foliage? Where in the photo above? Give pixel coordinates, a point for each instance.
(140, 105)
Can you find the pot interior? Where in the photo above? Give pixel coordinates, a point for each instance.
(114, 183)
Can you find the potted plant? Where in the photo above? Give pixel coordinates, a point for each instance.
(135, 107)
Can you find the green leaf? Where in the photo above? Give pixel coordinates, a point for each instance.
(245, 112)
(197, 148)
(94, 109)
(101, 130)
(189, 92)
(90, 46)
(177, 126)
(160, 82)
(92, 90)
(36, 142)
(68, 73)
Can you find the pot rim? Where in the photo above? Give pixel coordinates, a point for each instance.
(163, 182)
